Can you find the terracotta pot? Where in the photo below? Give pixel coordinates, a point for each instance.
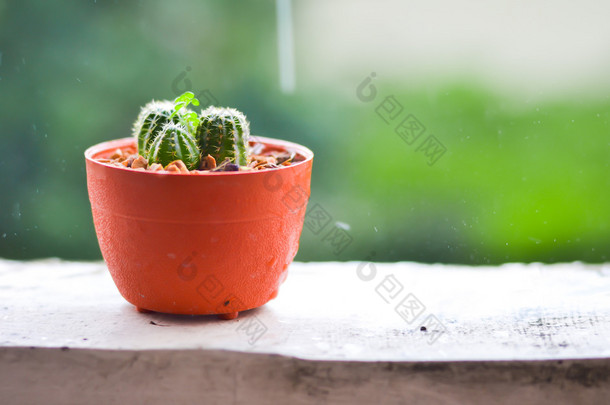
(216, 243)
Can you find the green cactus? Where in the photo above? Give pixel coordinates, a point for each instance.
(174, 142)
(223, 133)
(150, 122)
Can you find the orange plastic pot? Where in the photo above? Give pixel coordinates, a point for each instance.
(213, 243)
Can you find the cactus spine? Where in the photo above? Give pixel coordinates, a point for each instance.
(223, 133)
(174, 142)
(150, 122)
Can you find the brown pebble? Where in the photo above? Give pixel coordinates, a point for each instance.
(118, 154)
(130, 159)
(259, 162)
(283, 157)
(178, 165)
(140, 163)
(155, 167)
(208, 163)
(266, 166)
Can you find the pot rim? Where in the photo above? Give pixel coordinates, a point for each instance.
(117, 143)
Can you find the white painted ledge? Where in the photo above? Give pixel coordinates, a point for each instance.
(527, 333)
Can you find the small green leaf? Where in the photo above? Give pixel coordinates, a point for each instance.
(187, 96)
(182, 102)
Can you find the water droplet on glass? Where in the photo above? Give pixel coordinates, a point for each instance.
(343, 225)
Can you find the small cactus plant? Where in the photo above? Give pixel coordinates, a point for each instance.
(167, 131)
(223, 133)
(174, 142)
(150, 122)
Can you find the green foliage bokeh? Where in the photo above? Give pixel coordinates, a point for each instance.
(519, 181)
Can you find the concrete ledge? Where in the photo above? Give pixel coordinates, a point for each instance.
(57, 376)
(337, 333)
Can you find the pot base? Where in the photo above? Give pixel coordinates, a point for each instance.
(226, 317)
(229, 316)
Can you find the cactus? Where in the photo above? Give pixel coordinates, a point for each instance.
(174, 142)
(223, 133)
(150, 122)
(169, 131)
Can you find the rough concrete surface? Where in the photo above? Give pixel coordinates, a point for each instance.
(337, 333)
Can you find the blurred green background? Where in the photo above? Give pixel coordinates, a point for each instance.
(525, 174)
